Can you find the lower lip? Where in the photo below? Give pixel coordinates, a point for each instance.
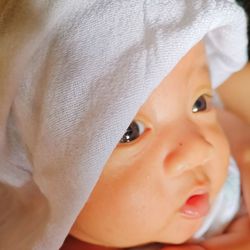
(197, 206)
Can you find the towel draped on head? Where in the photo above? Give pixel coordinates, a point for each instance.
(73, 75)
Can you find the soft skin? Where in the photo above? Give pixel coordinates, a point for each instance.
(145, 183)
(236, 236)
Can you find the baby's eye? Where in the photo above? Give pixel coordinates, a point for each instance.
(200, 104)
(134, 130)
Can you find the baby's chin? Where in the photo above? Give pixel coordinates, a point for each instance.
(130, 245)
(177, 240)
(184, 235)
(183, 232)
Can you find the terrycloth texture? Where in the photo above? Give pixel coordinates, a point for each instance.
(73, 75)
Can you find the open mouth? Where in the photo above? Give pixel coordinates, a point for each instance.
(196, 206)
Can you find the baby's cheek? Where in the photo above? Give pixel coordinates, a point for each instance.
(137, 210)
(115, 212)
(137, 207)
(220, 166)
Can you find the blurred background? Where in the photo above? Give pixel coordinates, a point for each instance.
(246, 5)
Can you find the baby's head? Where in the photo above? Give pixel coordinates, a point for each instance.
(167, 169)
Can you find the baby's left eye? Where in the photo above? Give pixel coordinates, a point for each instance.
(200, 104)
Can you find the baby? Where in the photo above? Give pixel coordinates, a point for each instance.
(74, 75)
(174, 147)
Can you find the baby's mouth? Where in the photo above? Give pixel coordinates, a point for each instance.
(196, 206)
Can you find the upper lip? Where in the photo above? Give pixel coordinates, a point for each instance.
(198, 190)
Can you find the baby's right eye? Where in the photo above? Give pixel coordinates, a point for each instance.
(134, 130)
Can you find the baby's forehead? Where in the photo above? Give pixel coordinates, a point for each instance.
(193, 65)
(195, 57)
(188, 78)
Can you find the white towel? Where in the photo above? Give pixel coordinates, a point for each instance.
(73, 74)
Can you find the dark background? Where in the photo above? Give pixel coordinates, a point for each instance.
(246, 6)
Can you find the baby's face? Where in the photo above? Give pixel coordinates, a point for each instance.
(163, 176)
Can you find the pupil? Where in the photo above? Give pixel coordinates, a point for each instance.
(131, 133)
(200, 104)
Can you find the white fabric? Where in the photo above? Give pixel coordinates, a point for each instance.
(73, 75)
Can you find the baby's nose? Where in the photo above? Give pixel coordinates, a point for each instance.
(192, 150)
